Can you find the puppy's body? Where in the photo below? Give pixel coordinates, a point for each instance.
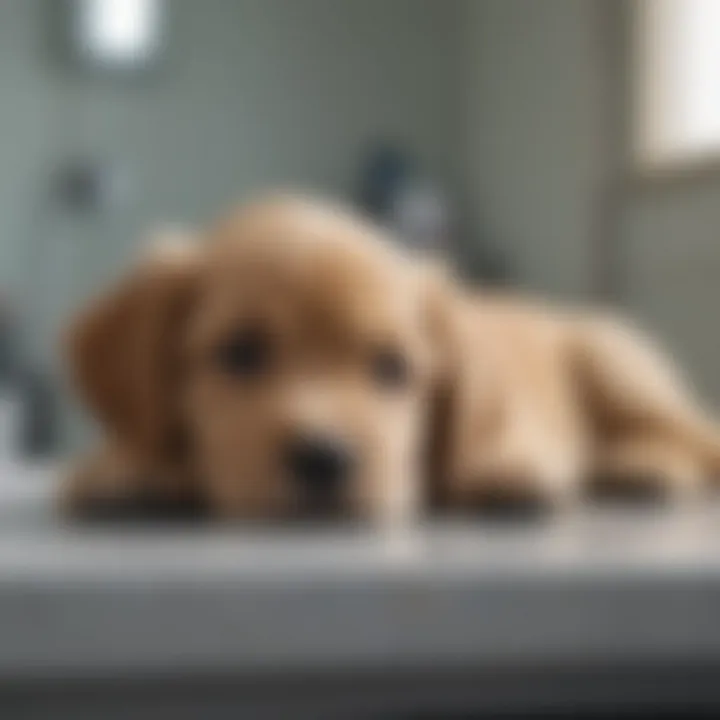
(548, 402)
(295, 360)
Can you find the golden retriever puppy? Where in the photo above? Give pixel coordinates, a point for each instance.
(283, 364)
(294, 361)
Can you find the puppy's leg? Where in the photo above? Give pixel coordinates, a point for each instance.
(517, 483)
(526, 466)
(650, 429)
(647, 467)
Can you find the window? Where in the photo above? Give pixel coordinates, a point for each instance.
(677, 81)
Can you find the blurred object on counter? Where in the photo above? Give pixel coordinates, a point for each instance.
(11, 406)
(394, 192)
(423, 213)
(28, 404)
(385, 169)
(39, 433)
(9, 342)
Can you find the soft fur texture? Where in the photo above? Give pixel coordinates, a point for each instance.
(500, 397)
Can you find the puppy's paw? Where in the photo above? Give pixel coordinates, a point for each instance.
(646, 473)
(106, 487)
(511, 491)
(91, 481)
(634, 485)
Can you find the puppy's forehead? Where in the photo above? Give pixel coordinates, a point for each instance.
(314, 253)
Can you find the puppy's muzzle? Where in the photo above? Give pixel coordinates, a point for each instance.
(319, 466)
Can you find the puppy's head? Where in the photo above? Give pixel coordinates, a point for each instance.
(289, 361)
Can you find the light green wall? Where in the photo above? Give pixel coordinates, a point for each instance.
(672, 236)
(503, 96)
(252, 93)
(532, 134)
(537, 146)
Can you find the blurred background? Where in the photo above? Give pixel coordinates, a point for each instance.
(553, 145)
(566, 146)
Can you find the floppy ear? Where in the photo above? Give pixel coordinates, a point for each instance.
(124, 354)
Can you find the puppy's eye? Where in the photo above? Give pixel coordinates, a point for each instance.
(389, 368)
(247, 353)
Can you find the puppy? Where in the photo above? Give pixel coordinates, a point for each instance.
(283, 364)
(295, 361)
(546, 403)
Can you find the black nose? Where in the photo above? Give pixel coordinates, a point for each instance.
(319, 464)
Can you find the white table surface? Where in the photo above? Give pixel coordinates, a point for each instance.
(593, 585)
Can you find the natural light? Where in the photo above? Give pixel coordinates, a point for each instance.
(678, 80)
